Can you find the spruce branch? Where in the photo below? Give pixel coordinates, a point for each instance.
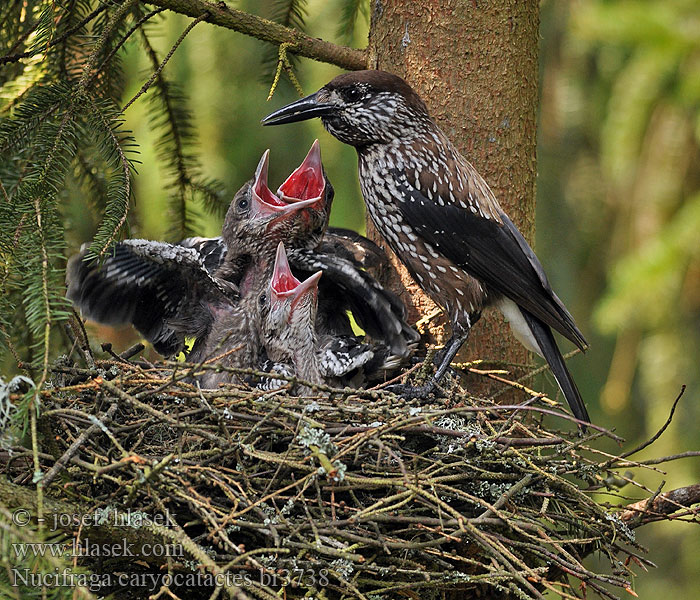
(157, 74)
(22, 37)
(90, 175)
(39, 106)
(44, 305)
(12, 58)
(177, 132)
(45, 294)
(89, 69)
(118, 207)
(135, 27)
(268, 31)
(351, 11)
(168, 113)
(291, 14)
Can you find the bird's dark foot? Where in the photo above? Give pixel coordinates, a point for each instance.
(413, 392)
(439, 356)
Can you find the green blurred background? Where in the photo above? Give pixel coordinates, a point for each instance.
(618, 193)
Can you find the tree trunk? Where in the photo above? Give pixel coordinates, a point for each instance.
(475, 65)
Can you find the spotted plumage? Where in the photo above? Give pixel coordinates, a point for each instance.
(440, 217)
(270, 383)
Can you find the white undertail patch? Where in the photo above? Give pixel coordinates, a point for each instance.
(518, 325)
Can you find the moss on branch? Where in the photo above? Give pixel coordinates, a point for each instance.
(268, 31)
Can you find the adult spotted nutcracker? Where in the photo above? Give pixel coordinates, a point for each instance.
(440, 217)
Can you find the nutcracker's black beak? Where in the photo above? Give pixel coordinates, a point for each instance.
(301, 110)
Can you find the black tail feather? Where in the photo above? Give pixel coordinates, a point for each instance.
(545, 340)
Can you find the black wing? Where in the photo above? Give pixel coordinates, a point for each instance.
(352, 246)
(346, 243)
(495, 254)
(377, 310)
(152, 285)
(212, 251)
(341, 355)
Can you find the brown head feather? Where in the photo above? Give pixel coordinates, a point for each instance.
(379, 81)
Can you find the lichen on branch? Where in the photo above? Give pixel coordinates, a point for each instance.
(268, 31)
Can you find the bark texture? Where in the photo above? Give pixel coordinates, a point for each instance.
(475, 65)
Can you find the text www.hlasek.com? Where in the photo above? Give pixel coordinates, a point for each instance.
(88, 548)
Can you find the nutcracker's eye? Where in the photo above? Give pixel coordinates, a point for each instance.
(353, 94)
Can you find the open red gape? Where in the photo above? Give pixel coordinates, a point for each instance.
(303, 188)
(260, 188)
(283, 280)
(307, 181)
(265, 194)
(284, 284)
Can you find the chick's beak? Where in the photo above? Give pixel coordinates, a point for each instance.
(307, 182)
(264, 202)
(285, 286)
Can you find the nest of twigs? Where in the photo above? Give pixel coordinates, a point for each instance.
(345, 494)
